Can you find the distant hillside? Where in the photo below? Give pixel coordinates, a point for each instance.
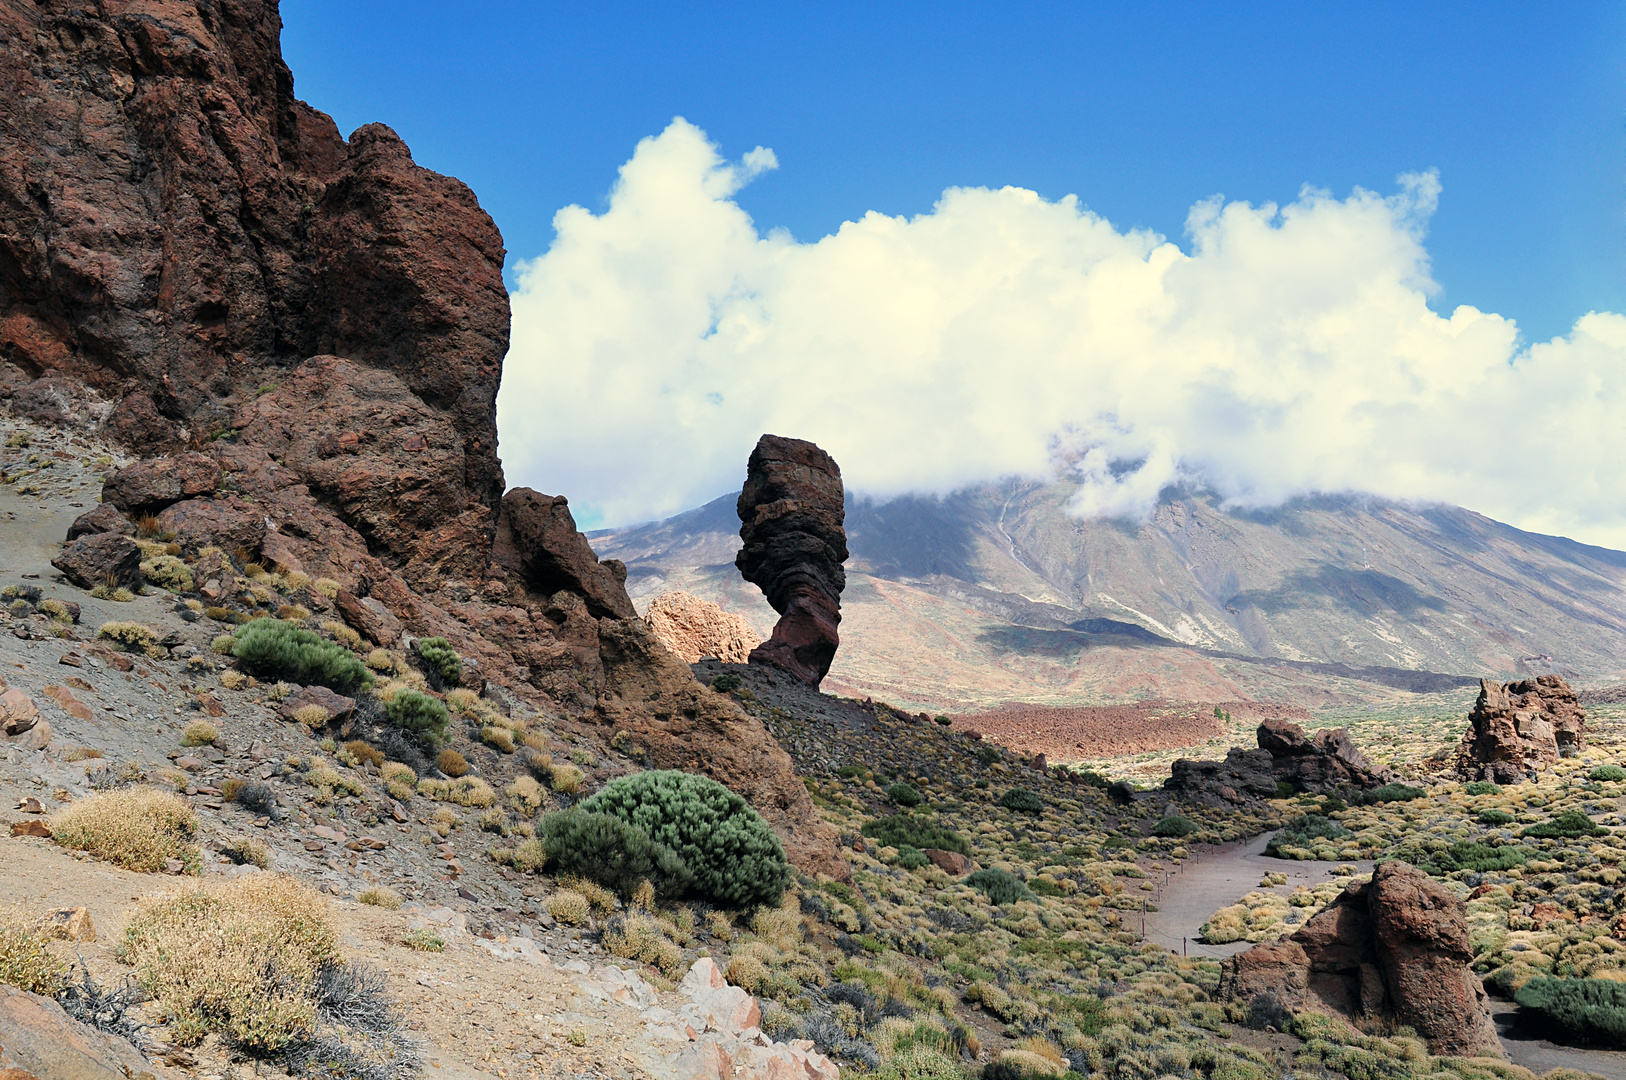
(996, 593)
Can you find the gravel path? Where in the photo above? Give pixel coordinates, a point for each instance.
(1218, 877)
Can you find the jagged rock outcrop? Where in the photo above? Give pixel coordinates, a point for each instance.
(694, 629)
(792, 510)
(301, 338)
(1518, 728)
(1324, 762)
(1395, 949)
(38, 1041)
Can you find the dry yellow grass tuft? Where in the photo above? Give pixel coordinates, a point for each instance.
(639, 938)
(240, 958)
(399, 780)
(382, 896)
(568, 906)
(138, 828)
(312, 716)
(26, 960)
(200, 733)
(464, 791)
(526, 794)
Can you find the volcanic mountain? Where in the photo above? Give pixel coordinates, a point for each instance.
(996, 593)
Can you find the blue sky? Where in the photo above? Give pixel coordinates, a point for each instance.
(1140, 110)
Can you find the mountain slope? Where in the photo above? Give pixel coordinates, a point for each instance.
(997, 592)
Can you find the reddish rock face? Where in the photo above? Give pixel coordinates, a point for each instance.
(96, 558)
(178, 229)
(1518, 728)
(1396, 948)
(792, 511)
(537, 538)
(146, 487)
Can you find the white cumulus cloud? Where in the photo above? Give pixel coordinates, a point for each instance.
(1286, 349)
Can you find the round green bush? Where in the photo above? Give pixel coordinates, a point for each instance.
(736, 859)
(612, 852)
(1607, 772)
(1303, 831)
(903, 794)
(726, 683)
(1022, 801)
(438, 653)
(1482, 787)
(912, 858)
(1174, 825)
(911, 830)
(1570, 825)
(273, 649)
(1495, 817)
(1594, 1009)
(945, 721)
(1000, 886)
(417, 713)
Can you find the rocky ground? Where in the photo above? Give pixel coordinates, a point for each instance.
(1086, 732)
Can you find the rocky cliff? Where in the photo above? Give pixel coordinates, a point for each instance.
(301, 336)
(1518, 728)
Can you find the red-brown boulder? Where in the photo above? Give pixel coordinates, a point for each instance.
(1395, 949)
(1325, 761)
(104, 519)
(1520, 727)
(792, 510)
(148, 486)
(229, 524)
(537, 539)
(99, 558)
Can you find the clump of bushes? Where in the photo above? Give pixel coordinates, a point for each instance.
(734, 857)
(1022, 800)
(1000, 886)
(437, 653)
(26, 960)
(399, 780)
(902, 794)
(452, 763)
(1570, 825)
(272, 649)
(464, 791)
(1477, 857)
(726, 683)
(169, 572)
(1175, 825)
(1495, 817)
(910, 830)
(1389, 793)
(381, 896)
(138, 828)
(419, 715)
(1302, 832)
(1607, 773)
(132, 636)
(240, 958)
(1594, 1009)
(1482, 787)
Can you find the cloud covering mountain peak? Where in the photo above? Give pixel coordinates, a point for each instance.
(1289, 349)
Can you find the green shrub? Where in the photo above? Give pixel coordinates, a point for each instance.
(1570, 825)
(1174, 825)
(1607, 772)
(1495, 817)
(1304, 831)
(1466, 855)
(912, 858)
(273, 649)
(1389, 793)
(1022, 801)
(416, 712)
(612, 852)
(735, 858)
(904, 794)
(1285, 789)
(945, 721)
(1592, 1008)
(1482, 787)
(910, 830)
(1000, 886)
(438, 653)
(726, 683)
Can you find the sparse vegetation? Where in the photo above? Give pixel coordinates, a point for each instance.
(200, 733)
(138, 828)
(26, 959)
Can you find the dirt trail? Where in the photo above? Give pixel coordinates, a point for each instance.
(1222, 876)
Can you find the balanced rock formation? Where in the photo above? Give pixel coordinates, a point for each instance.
(792, 510)
(1324, 762)
(1394, 949)
(695, 629)
(1520, 727)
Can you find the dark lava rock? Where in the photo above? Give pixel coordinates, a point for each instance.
(538, 538)
(99, 558)
(104, 519)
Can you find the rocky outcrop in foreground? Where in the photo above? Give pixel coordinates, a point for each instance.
(38, 1041)
(695, 629)
(1323, 762)
(1520, 727)
(1394, 949)
(792, 510)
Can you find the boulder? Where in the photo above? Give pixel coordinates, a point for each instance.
(696, 629)
(367, 615)
(229, 524)
(70, 924)
(98, 558)
(1518, 728)
(148, 486)
(950, 862)
(1244, 776)
(1323, 762)
(1393, 950)
(104, 519)
(38, 1041)
(18, 713)
(338, 706)
(537, 539)
(792, 512)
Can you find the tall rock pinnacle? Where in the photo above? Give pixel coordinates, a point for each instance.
(791, 513)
